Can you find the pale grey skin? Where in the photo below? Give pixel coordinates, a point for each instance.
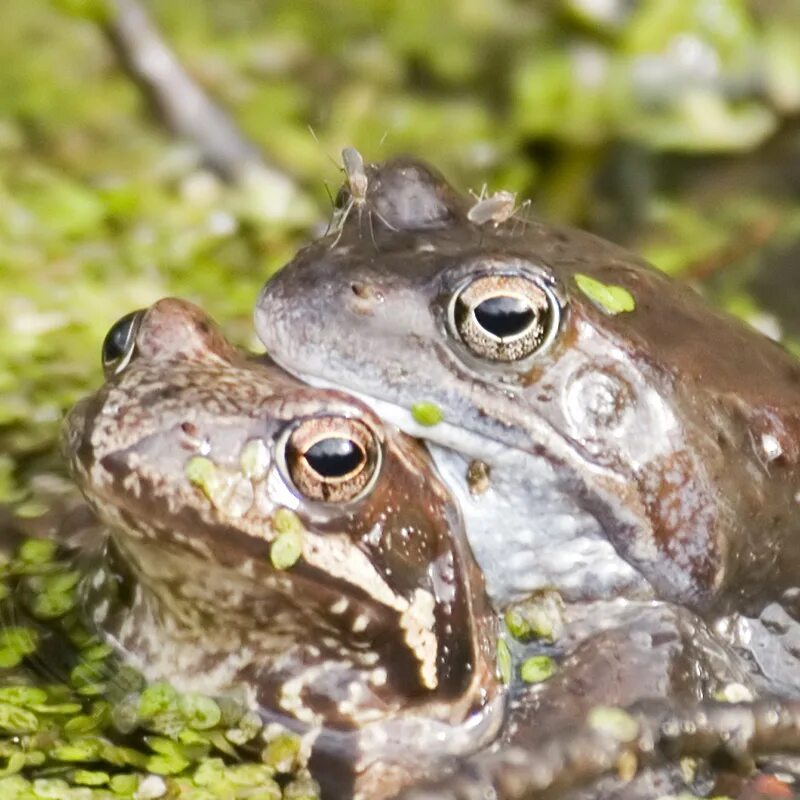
(377, 643)
(653, 452)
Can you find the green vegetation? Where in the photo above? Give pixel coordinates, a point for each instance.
(611, 299)
(96, 730)
(537, 669)
(427, 414)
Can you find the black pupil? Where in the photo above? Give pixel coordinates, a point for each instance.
(504, 316)
(334, 457)
(115, 345)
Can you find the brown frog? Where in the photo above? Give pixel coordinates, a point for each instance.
(604, 430)
(282, 538)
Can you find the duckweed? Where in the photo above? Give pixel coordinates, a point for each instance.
(203, 473)
(245, 730)
(281, 752)
(611, 299)
(537, 669)
(303, 788)
(157, 698)
(37, 551)
(87, 777)
(22, 695)
(61, 739)
(254, 460)
(284, 520)
(503, 661)
(51, 606)
(540, 617)
(200, 712)
(124, 783)
(287, 547)
(427, 414)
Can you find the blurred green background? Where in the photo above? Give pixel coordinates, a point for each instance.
(670, 126)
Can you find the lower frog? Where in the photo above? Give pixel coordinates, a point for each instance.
(281, 538)
(632, 439)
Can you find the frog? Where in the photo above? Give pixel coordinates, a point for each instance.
(631, 440)
(280, 541)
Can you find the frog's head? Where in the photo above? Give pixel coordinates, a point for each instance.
(657, 412)
(292, 517)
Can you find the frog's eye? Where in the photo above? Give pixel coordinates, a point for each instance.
(504, 317)
(332, 458)
(120, 343)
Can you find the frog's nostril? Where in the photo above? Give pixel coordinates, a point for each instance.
(366, 297)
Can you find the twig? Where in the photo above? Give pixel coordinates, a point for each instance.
(179, 101)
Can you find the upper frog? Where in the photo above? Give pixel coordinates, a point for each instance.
(627, 436)
(282, 537)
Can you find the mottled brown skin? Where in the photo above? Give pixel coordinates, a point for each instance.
(339, 642)
(675, 426)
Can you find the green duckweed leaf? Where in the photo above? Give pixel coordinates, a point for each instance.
(156, 699)
(22, 695)
(611, 299)
(503, 661)
(37, 551)
(427, 414)
(281, 752)
(14, 719)
(537, 669)
(287, 546)
(200, 712)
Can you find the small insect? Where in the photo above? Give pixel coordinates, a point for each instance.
(356, 185)
(496, 208)
(355, 192)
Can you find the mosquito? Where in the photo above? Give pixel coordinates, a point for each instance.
(496, 208)
(357, 184)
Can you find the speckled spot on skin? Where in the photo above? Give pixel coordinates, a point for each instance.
(418, 622)
(340, 606)
(378, 677)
